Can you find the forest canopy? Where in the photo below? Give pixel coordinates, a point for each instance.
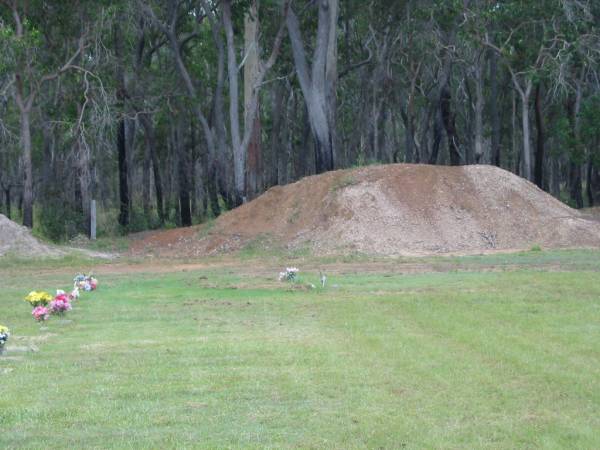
(168, 112)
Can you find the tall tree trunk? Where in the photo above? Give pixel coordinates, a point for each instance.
(27, 168)
(515, 145)
(150, 142)
(147, 163)
(183, 187)
(213, 191)
(278, 149)
(7, 201)
(480, 155)
(82, 167)
(130, 126)
(239, 156)
(540, 145)
(409, 133)
(423, 148)
(254, 162)
(438, 135)
(576, 157)
(589, 184)
(193, 94)
(388, 138)
(124, 200)
(555, 177)
(494, 113)
(85, 186)
(251, 69)
(525, 94)
(449, 120)
(24, 101)
(331, 79)
(301, 155)
(193, 154)
(123, 185)
(241, 142)
(315, 85)
(526, 155)
(575, 181)
(158, 187)
(594, 184)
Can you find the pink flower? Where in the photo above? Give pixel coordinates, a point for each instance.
(40, 313)
(60, 304)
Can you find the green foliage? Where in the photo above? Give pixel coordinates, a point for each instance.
(590, 126)
(383, 45)
(57, 220)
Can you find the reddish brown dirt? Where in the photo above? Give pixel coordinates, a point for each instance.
(398, 209)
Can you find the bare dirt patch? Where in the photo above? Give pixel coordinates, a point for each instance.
(17, 240)
(391, 210)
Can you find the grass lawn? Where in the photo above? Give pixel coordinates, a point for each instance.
(504, 353)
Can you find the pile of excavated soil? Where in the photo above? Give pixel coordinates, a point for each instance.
(17, 240)
(399, 209)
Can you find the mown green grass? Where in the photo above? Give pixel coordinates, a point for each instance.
(225, 358)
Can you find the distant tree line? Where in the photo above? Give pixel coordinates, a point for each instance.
(170, 111)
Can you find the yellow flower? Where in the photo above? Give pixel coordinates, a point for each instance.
(38, 298)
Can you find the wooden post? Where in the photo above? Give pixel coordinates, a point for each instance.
(93, 220)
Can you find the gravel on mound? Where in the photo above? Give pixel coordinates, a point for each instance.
(17, 240)
(398, 209)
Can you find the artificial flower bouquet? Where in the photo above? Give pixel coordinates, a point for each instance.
(61, 303)
(40, 313)
(87, 283)
(4, 335)
(38, 298)
(290, 274)
(74, 295)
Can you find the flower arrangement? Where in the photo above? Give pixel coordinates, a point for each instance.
(40, 313)
(38, 298)
(74, 295)
(4, 335)
(290, 274)
(44, 304)
(87, 283)
(60, 304)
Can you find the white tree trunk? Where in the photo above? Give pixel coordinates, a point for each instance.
(526, 134)
(525, 94)
(251, 119)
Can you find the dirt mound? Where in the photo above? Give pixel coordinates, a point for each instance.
(399, 209)
(17, 240)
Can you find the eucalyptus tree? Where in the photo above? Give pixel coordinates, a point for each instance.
(318, 79)
(241, 140)
(31, 69)
(527, 40)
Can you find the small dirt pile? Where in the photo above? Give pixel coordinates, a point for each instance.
(399, 209)
(17, 240)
